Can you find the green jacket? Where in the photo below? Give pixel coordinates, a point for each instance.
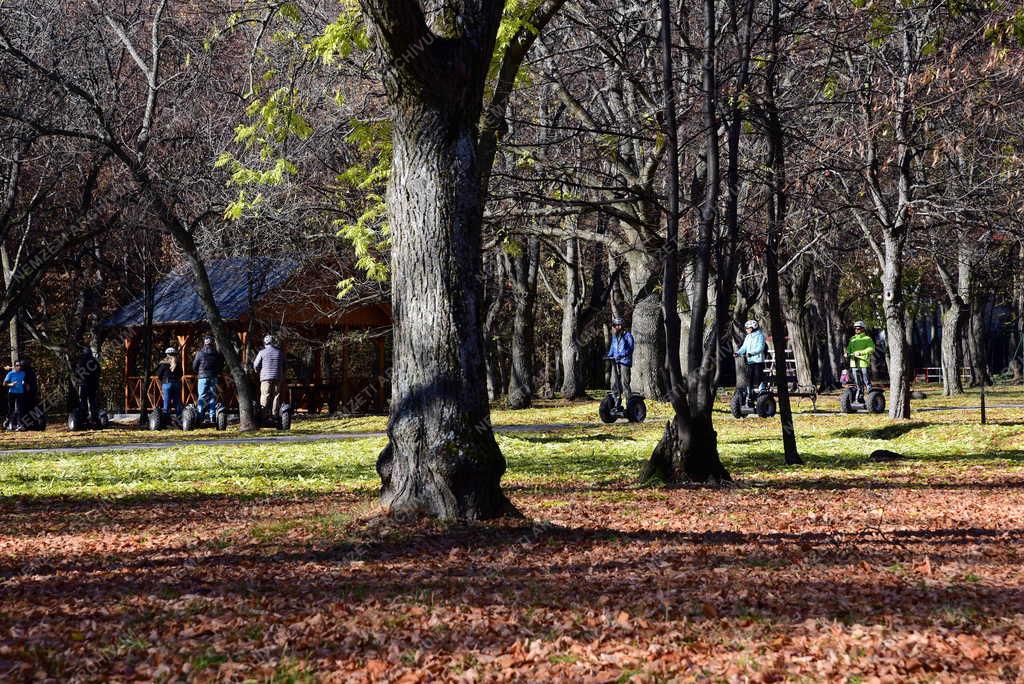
(860, 350)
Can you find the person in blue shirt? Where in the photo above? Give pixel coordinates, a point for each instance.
(753, 349)
(621, 354)
(17, 392)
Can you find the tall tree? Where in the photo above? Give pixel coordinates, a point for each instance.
(442, 458)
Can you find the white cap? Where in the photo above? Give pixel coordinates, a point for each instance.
(752, 324)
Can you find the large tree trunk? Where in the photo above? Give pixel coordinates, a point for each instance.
(976, 339)
(13, 325)
(524, 268)
(794, 293)
(573, 386)
(441, 458)
(647, 328)
(954, 319)
(900, 372)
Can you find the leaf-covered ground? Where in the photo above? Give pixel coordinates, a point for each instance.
(271, 563)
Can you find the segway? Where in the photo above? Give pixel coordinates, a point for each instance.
(764, 404)
(193, 419)
(859, 396)
(611, 408)
(79, 420)
(282, 420)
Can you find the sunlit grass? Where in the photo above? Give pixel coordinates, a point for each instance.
(835, 447)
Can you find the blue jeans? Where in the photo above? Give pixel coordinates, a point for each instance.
(208, 397)
(172, 395)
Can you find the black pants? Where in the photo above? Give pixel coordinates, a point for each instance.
(620, 382)
(755, 376)
(18, 404)
(88, 401)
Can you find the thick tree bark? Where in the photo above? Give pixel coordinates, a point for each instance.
(954, 319)
(977, 340)
(13, 325)
(648, 332)
(794, 294)
(899, 360)
(524, 268)
(573, 386)
(441, 459)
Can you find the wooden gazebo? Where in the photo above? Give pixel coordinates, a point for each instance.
(319, 334)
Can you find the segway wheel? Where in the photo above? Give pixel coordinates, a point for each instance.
(607, 409)
(736, 405)
(766, 406)
(156, 420)
(876, 401)
(846, 401)
(286, 417)
(188, 419)
(222, 420)
(104, 419)
(636, 409)
(75, 422)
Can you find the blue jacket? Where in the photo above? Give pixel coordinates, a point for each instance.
(622, 349)
(18, 380)
(754, 346)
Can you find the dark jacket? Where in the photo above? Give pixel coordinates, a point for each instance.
(208, 362)
(269, 363)
(168, 376)
(87, 370)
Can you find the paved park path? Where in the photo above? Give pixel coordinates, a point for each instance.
(266, 439)
(332, 436)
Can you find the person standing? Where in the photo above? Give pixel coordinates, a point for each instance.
(208, 364)
(621, 354)
(859, 351)
(87, 375)
(33, 414)
(753, 349)
(169, 374)
(269, 363)
(16, 386)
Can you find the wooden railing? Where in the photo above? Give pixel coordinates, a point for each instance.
(353, 395)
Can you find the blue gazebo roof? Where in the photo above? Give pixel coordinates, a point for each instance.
(237, 283)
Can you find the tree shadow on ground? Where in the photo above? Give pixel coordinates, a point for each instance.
(892, 431)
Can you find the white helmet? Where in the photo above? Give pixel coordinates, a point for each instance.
(269, 339)
(860, 324)
(171, 351)
(752, 324)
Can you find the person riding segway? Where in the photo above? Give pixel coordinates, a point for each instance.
(208, 364)
(755, 397)
(269, 364)
(87, 414)
(620, 355)
(169, 374)
(859, 394)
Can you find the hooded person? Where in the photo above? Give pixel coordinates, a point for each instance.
(269, 363)
(753, 351)
(208, 365)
